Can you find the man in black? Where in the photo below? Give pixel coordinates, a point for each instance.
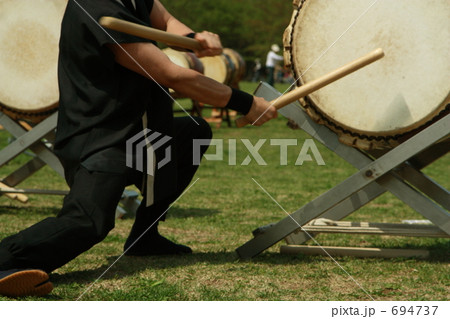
(112, 87)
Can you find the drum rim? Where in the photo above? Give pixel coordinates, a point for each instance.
(194, 62)
(338, 127)
(31, 115)
(385, 135)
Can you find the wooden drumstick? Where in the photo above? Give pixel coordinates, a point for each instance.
(150, 33)
(20, 197)
(324, 80)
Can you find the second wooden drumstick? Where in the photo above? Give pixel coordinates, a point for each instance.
(324, 80)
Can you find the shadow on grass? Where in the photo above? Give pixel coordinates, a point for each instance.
(175, 212)
(22, 210)
(439, 253)
(181, 213)
(130, 266)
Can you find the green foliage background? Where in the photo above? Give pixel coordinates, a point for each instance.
(247, 26)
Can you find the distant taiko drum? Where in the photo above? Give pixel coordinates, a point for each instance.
(29, 37)
(379, 105)
(239, 66)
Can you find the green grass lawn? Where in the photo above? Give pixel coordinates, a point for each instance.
(219, 213)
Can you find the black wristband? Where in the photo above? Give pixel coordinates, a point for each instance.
(240, 101)
(190, 35)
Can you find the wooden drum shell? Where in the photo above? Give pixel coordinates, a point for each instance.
(219, 68)
(239, 66)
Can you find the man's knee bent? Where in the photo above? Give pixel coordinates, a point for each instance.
(203, 129)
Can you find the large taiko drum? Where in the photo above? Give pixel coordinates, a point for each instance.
(29, 36)
(219, 67)
(395, 97)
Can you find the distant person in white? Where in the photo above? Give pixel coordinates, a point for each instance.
(257, 70)
(272, 60)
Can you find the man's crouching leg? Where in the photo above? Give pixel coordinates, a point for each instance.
(144, 239)
(86, 218)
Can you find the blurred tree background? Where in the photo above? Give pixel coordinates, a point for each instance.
(248, 26)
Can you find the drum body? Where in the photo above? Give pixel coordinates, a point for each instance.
(396, 96)
(29, 34)
(219, 67)
(239, 66)
(186, 60)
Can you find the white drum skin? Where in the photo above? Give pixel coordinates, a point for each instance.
(29, 33)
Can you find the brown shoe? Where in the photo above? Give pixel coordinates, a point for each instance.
(20, 283)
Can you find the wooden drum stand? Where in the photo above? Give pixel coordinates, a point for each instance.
(39, 140)
(396, 171)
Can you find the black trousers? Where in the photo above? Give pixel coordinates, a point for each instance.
(88, 211)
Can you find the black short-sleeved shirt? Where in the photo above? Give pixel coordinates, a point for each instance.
(101, 102)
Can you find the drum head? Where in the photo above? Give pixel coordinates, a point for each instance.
(29, 34)
(404, 90)
(177, 57)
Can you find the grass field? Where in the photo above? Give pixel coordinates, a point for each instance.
(218, 214)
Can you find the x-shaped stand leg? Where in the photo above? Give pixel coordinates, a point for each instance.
(29, 140)
(44, 156)
(373, 179)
